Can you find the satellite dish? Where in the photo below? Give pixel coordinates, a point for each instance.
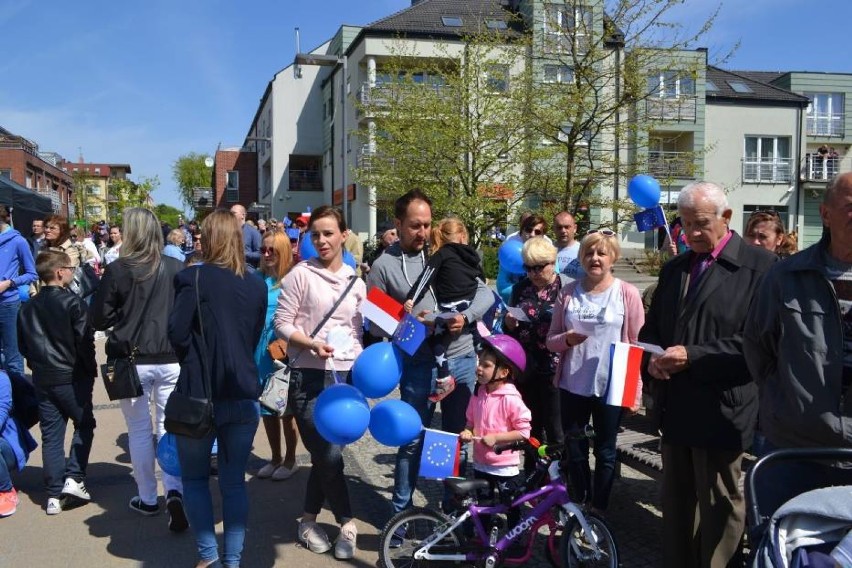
(208, 161)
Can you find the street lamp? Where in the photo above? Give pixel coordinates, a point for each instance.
(333, 61)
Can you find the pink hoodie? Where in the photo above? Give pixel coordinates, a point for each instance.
(492, 413)
(307, 293)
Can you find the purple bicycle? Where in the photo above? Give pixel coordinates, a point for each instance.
(421, 537)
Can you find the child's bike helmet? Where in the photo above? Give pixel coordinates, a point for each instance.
(508, 350)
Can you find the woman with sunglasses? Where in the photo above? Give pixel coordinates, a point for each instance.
(589, 316)
(57, 236)
(276, 259)
(766, 230)
(532, 225)
(535, 295)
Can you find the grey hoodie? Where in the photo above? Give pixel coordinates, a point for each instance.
(394, 272)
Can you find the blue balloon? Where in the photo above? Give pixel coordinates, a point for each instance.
(644, 190)
(167, 454)
(349, 259)
(306, 248)
(509, 255)
(377, 370)
(341, 414)
(394, 423)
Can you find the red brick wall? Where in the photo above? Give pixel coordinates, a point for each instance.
(246, 164)
(19, 162)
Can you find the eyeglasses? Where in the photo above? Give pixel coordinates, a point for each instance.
(537, 267)
(267, 250)
(604, 232)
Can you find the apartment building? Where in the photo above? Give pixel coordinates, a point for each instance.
(22, 162)
(95, 195)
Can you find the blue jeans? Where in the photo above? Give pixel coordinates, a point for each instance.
(418, 380)
(576, 412)
(56, 404)
(8, 462)
(236, 424)
(13, 361)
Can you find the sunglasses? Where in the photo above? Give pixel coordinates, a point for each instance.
(769, 212)
(604, 232)
(536, 268)
(267, 250)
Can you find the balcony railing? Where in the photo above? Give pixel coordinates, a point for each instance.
(767, 170)
(366, 156)
(671, 164)
(305, 180)
(824, 168)
(825, 124)
(675, 109)
(380, 95)
(19, 144)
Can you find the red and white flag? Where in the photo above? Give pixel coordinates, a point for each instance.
(624, 370)
(382, 310)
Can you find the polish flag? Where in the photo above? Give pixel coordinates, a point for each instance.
(624, 370)
(382, 310)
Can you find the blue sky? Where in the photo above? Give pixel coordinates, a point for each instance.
(145, 82)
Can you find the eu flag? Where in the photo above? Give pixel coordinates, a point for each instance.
(440, 454)
(650, 219)
(409, 334)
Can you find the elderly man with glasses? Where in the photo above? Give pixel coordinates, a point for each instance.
(705, 399)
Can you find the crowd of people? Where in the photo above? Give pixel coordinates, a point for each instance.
(214, 306)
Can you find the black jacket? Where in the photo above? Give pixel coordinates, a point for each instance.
(454, 273)
(713, 403)
(234, 314)
(120, 301)
(55, 337)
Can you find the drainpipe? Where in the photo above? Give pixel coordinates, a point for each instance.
(798, 179)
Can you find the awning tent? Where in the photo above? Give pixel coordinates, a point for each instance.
(25, 204)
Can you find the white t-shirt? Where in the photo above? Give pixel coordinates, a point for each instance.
(112, 253)
(565, 258)
(586, 369)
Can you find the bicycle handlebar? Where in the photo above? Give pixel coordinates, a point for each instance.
(542, 450)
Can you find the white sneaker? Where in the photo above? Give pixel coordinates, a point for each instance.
(76, 489)
(53, 506)
(344, 546)
(313, 537)
(266, 471)
(283, 472)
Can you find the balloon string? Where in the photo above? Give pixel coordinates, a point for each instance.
(334, 374)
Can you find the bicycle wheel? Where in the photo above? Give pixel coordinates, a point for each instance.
(577, 549)
(405, 533)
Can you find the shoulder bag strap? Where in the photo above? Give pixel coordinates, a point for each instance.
(145, 310)
(333, 308)
(205, 375)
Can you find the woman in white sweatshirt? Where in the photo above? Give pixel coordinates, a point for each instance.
(308, 294)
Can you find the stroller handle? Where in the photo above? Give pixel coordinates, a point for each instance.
(788, 454)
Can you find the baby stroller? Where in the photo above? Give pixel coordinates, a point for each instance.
(807, 529)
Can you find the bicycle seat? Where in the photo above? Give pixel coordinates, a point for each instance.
(461, 486)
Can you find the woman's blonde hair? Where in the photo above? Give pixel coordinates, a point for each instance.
(444, 232)
(609, 241)
(538, 251)
(175, 235)
(222, 242)
(142, 240)
(280, 242)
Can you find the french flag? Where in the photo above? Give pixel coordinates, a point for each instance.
(624, 369)
(382, 310)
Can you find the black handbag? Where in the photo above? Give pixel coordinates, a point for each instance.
(86, 280)
(186, 415)
(121, 379)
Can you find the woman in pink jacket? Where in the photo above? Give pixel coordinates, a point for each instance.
(308, 294)
(589, 315)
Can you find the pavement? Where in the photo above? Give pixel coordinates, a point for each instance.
(107, 533)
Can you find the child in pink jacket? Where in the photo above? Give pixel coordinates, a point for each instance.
(497, 413)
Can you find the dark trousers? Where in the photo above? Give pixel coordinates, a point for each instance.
(56, 405)
(576, 412)
(703, 507)
(542, 398)
(8, 463)
(506, 485)
(326, 480)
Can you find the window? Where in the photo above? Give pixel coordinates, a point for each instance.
(567, 28)
(739, 87)
(6, 174)
(497, 78)
(825, 114)
(671, 84)
(97, 171)
(304, 174)
(496, 24)
(710, 86)
(93, 210)
(93, 189)
(782, 211)
(232, 187)
(451, 21)
(558, 74)
(767, 159)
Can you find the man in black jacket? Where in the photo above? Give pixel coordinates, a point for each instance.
(55, 337)
(705, 398)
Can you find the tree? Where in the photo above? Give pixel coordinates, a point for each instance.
(168, 214)
(190, 171)
(124, 193)
(82, 181)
